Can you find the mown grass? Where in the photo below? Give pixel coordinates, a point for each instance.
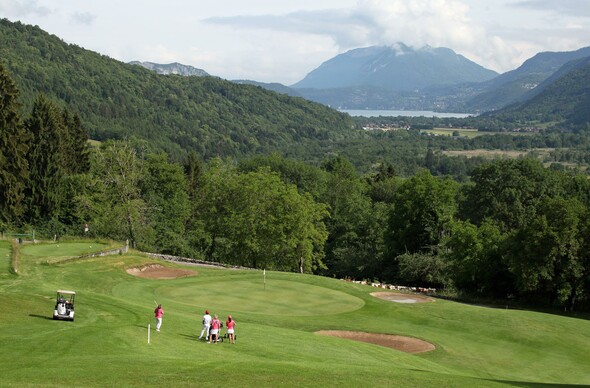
(107, 343)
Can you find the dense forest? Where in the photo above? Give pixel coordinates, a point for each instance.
(516, 230)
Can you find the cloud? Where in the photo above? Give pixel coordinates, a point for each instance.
(499, 35)
(22, 8)
(417, 23)
(85, 18)
(578, 8)
(370, 22)
(344, 26)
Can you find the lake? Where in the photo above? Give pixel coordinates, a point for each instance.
(395, 113)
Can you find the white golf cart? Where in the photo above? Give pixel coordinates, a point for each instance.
(64, 305)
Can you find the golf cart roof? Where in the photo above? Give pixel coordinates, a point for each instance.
(66, 292)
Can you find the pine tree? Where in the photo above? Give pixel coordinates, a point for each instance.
(45, 159)
(14, 140)
(75, 154)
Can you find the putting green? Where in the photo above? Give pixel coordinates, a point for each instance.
(280, 297)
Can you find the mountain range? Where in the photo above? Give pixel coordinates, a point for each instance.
(522, 83)
(427, 79)
(218, 117)
(402, 78)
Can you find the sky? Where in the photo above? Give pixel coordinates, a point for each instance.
(282, 41)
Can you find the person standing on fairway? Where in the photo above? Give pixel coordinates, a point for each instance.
(206, 325)
(215, 326)
(230, 324)
(158, 312)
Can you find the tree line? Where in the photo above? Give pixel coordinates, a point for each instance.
(515, 229)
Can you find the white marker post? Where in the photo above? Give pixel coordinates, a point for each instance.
(149, 327)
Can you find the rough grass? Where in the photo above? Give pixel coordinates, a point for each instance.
(5, 258)
(276, 346)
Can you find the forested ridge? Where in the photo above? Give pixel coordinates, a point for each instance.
(507, 229)
(208, 115)
(566, 100)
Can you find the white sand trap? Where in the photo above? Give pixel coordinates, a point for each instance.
(402, 298)
(157, 271)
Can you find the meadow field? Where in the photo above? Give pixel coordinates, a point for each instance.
(539, 153)
(468, 132)
(277, 319)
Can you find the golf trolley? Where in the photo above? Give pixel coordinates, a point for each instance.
(221, 337)
(64, 305)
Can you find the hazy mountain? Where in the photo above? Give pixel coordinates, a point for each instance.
(171, 68)
(564, 70)
(399, 68)
(512, 86)
(274, 86)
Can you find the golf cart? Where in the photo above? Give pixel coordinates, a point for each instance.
(64, 305)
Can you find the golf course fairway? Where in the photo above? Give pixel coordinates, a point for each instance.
(277, 318)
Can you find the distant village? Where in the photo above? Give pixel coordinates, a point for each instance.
(450, 128)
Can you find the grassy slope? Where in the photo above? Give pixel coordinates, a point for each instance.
(107, 344)
(4, 258)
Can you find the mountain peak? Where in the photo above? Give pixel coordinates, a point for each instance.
(172, 68)
(396, 67)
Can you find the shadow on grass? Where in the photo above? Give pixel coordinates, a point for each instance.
(191, 337)
(41, 316)
(532, 384)
(510, 305)
(513, 382)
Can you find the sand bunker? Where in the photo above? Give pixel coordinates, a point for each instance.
(402, 298)
(397, 342)
(157, 271)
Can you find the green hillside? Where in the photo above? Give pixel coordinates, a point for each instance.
(107, 345)
(565, 100)
(514, 86)
(172, 113)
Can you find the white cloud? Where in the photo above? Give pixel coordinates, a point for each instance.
(22, 8)
(438, 23)
(578, 8)
(85, 18)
